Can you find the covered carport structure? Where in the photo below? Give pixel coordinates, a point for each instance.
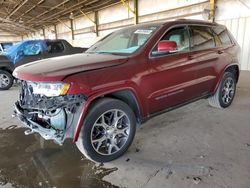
(83, 22)
(193, 146)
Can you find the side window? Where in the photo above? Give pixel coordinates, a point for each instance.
(55, 47)
(32, 48)
(202, 38)
(222, 35)
(179, 36)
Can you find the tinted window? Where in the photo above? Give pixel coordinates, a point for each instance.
(202, 38)
(180, 36)
(222, 36)
(55, 47)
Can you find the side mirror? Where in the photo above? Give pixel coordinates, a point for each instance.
(166, 46)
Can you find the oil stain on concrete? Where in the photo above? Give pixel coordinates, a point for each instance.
(28, 161)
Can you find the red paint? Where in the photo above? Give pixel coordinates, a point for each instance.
(157, 82)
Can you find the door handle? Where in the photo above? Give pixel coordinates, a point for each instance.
(190, 57)
(220, 52)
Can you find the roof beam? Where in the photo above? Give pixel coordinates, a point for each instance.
(16, 24)
(33, 7)
(10, 30)
(47, 11)
(76, 7)
(71, 8)
(17, 8)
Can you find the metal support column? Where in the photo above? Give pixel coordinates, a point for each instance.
(212, 10)
(55, 30)
(44, 36)
(96, 24)
(136, 15)
(72, 29)
(134, 12)
(95, 21)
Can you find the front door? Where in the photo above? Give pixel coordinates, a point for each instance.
(172, 78)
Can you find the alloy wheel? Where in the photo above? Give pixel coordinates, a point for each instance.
(228, 90)
(4, 80)
(110, 132)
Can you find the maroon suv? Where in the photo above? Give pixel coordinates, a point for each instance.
(100, 97)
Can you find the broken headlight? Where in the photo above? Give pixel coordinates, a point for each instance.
(49, 89)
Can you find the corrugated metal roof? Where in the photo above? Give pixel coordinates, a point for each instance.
(24, 16)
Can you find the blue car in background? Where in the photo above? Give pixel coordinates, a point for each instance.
(28, 51)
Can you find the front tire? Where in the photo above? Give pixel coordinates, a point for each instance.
(108, 130)
(225, 93)
(6, 80)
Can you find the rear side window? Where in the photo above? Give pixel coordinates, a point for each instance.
(201, 38)
(55, 47)
(222, 36)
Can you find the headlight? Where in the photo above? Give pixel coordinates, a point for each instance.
(49, 89)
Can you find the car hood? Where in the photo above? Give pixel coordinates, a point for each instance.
(56, 69)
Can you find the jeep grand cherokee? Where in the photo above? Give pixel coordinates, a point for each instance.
(98, 98)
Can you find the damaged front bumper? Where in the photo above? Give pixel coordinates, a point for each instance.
(54, 118)
(47, 134)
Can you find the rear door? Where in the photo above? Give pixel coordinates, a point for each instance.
(172, 78)
(208, 56)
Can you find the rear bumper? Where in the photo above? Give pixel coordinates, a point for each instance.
(33, 127)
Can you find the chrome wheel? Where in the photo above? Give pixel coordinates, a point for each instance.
(228, 90)
(110, 132)
(4, 80)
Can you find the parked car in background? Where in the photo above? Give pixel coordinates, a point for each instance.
(99, 97)
(28, 51)
(4, 46)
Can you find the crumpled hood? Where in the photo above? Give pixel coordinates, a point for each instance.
(56, 69)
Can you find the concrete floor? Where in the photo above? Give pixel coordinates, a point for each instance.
(193, 146)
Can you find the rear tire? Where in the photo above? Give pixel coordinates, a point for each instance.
(108, 130)
(6, 80)
(225, 93)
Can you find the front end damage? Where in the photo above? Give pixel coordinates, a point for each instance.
(54, 118)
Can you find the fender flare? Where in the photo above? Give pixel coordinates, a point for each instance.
(92, 98)
(224, 70)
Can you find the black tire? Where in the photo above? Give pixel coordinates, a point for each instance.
(85, 143)
(8, 80)
(217, 99)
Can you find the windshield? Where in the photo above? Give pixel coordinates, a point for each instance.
(125, 41)
(6, 46)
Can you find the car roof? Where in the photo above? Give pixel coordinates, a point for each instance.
(177, 22)
(46, 40)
